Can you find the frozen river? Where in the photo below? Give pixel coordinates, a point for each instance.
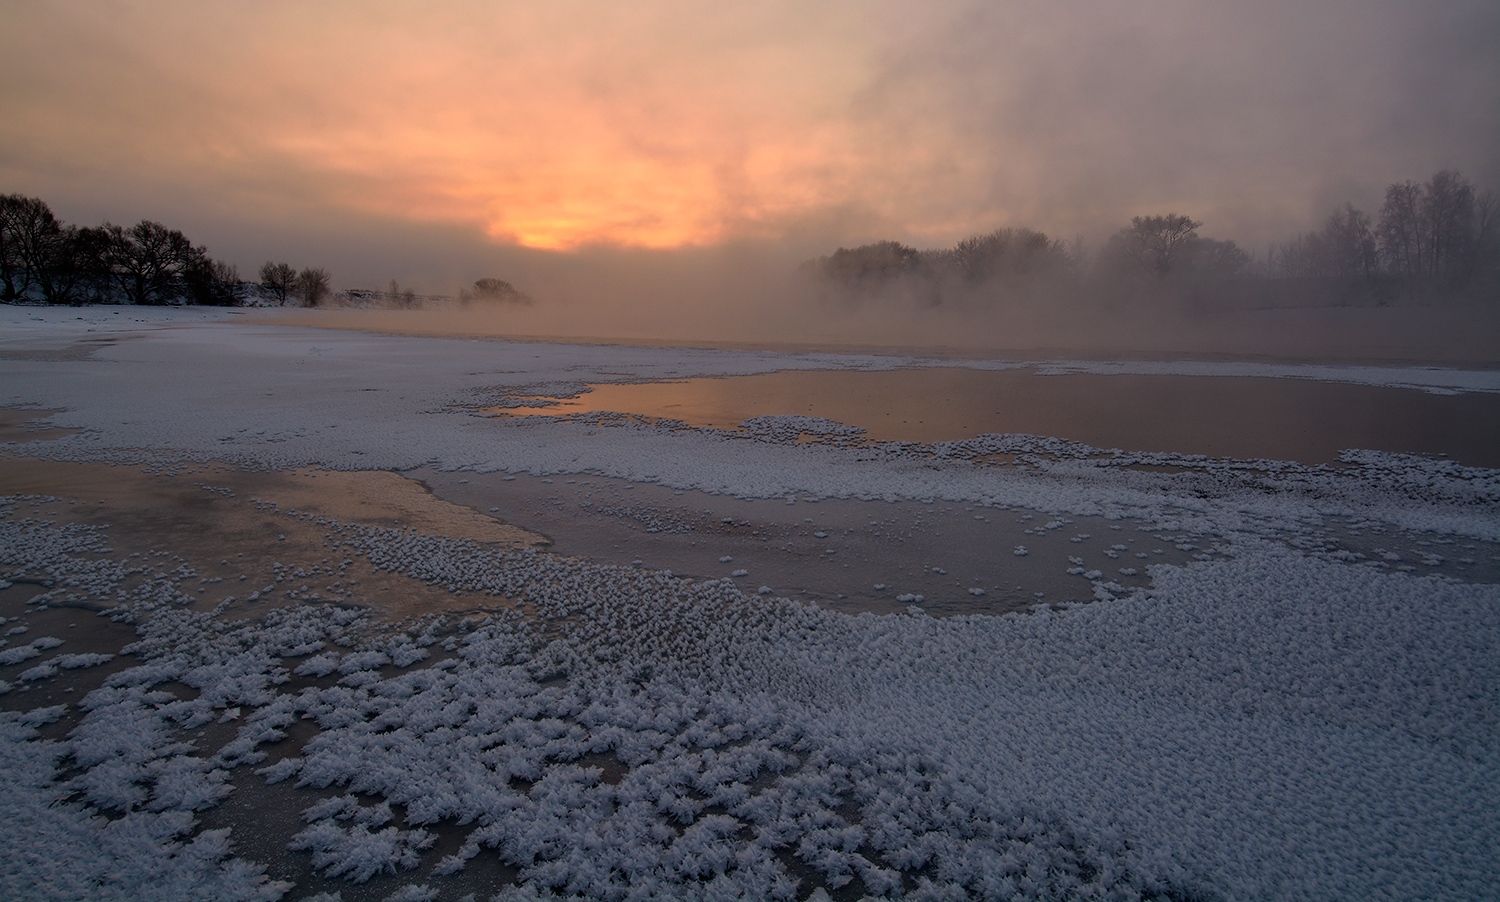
(717, 625)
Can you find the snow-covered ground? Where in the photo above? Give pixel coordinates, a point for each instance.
(1276, 720)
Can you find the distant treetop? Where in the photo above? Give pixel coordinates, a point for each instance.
(493, 290)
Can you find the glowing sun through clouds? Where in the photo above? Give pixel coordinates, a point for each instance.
(655, 130)
(670, 123)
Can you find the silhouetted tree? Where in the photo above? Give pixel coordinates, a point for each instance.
(27, 230)
(150, 262)
(144, 264)
(278, 280)
(871, 263)
(1012, 263)
(1345, 247)
(1211, 259)
(12, 267)
(1436, 230)
(1402, 247)
(885, 268)
(1487, 232)
(213, 283)
(406, 299)
(1156, 241)
(313, 285)
(1303, 256)
(1447, 215)
(79, 269)
(1351, 244)
(496, 290)
(68, 265)
(1009, 254)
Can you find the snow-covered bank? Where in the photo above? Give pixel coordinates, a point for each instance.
(1275, 723)
(285, 397)
(1271, 726)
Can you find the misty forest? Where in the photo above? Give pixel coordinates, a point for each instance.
(1436, 242)
(859, 451)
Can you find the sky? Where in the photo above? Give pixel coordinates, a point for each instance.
(436, 142)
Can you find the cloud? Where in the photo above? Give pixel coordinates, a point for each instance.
(1076, 116)
(671, 124)
(650, 125)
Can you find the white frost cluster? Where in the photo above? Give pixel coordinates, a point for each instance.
(644, 730)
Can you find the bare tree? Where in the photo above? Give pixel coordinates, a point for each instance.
(499, 290)
(1402, 244)
(1432, 230)
(1305, 256)
(147, 262)
(12, 267)
(405, 299)
(1351, 244)
(278, 279)
(1487, 231)
(79, 268)
(1008, 253)
(214, 283)
(313, 285)
(871, 263)
(1211, 259)
(150, 261)
(1447, 216)
(1158, 240)
(27, 231)
(1345, 248)
(1296, 257)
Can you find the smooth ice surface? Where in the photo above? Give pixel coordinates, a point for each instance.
(1278, 720)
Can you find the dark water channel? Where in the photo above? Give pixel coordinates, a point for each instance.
(963, 559)
(1218, 416)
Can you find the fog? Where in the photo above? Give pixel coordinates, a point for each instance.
(662, 171)
(755, 297)
(1255, 118)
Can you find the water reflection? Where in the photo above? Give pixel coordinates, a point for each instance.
(1218, 416)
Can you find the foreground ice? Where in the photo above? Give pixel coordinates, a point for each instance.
(1277, 723)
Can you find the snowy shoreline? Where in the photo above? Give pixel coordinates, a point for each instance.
(1278, 721)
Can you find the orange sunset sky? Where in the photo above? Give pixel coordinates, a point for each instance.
(431, 137)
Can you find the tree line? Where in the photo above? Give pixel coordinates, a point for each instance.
(281, 282)
(1431, 240)
(1020, 261)
(1015, 257)
(485, 292)
(42, 258)
(45, 260)
(1443, 231)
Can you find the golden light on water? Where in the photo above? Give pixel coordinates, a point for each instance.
(1274, 418)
